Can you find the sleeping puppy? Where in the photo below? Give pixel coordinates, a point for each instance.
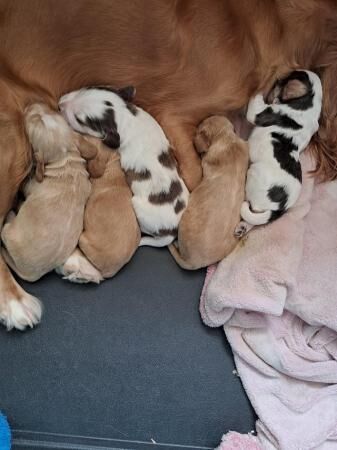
(282, 130)
(111, 233)
(49, 222)
(159, 194)
(206, 229)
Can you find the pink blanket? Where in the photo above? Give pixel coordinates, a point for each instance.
(276, 297)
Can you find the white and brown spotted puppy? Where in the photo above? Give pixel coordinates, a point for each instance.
(206, 229)
(159, 194)
(49, 222)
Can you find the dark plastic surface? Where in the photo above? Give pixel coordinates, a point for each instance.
(126, 362)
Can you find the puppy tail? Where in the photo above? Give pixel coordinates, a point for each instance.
(254, 218)
(179, 259)
(156, 241)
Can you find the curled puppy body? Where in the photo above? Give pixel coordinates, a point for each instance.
(49, 222)
(159, 194)
(206, 229)
(111, 234)
(282, 130)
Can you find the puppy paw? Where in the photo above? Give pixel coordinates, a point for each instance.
(20, 312)
(78, 269)
(241, 230)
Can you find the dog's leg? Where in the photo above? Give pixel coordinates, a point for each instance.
(18, 309)
(181, 139)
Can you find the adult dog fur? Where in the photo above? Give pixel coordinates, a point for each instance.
(188, 59)
(206, 230)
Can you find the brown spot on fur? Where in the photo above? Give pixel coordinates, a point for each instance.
(167, 197)
(132, 175)
(166, 232)
(167, 159)
(180, 205)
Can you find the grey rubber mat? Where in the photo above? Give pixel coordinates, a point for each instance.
(121, 364)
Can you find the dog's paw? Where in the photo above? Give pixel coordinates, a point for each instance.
(20, 313)
(78, 269)
(241, 230)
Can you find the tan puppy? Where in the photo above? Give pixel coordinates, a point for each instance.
(111, 233)
(49, 222)
(205, 233)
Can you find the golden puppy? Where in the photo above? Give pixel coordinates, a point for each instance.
(206, 230)
(111, 233)
(49, 222)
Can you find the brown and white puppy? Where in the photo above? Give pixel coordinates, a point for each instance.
(159, 193)
(49, 222)
(111, 233)
(206, 230)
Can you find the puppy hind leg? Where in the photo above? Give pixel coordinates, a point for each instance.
(78, 269)
(150, 241)
(242, 229)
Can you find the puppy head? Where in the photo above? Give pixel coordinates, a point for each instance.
(93, 111)
(48, 133)
(289, 90)
(211, 130)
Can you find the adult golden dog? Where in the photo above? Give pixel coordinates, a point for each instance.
(188, 59)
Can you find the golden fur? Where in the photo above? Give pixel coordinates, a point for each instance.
(49, 222)
(206, 230)
(111, 233)
(189, 59)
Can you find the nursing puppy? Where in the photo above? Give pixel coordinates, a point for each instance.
(206, 229)
(282, 130)
(159, 194)
(111, 233)
(49, 222)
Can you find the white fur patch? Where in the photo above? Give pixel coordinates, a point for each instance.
(21, 313)
(78, 269)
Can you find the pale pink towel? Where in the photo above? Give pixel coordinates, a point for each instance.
(276, 296)
(237, 441)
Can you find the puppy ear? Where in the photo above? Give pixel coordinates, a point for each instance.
(202, 141)
(294, 89)
(87, 149)
(112, 139)
(40, 168)
(127, 93)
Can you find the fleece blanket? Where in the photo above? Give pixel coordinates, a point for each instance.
(276, 296)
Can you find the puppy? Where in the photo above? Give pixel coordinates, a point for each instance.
(111, 233)
(159, 194)
(49, 222)
(282, 130)
(206, 229)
